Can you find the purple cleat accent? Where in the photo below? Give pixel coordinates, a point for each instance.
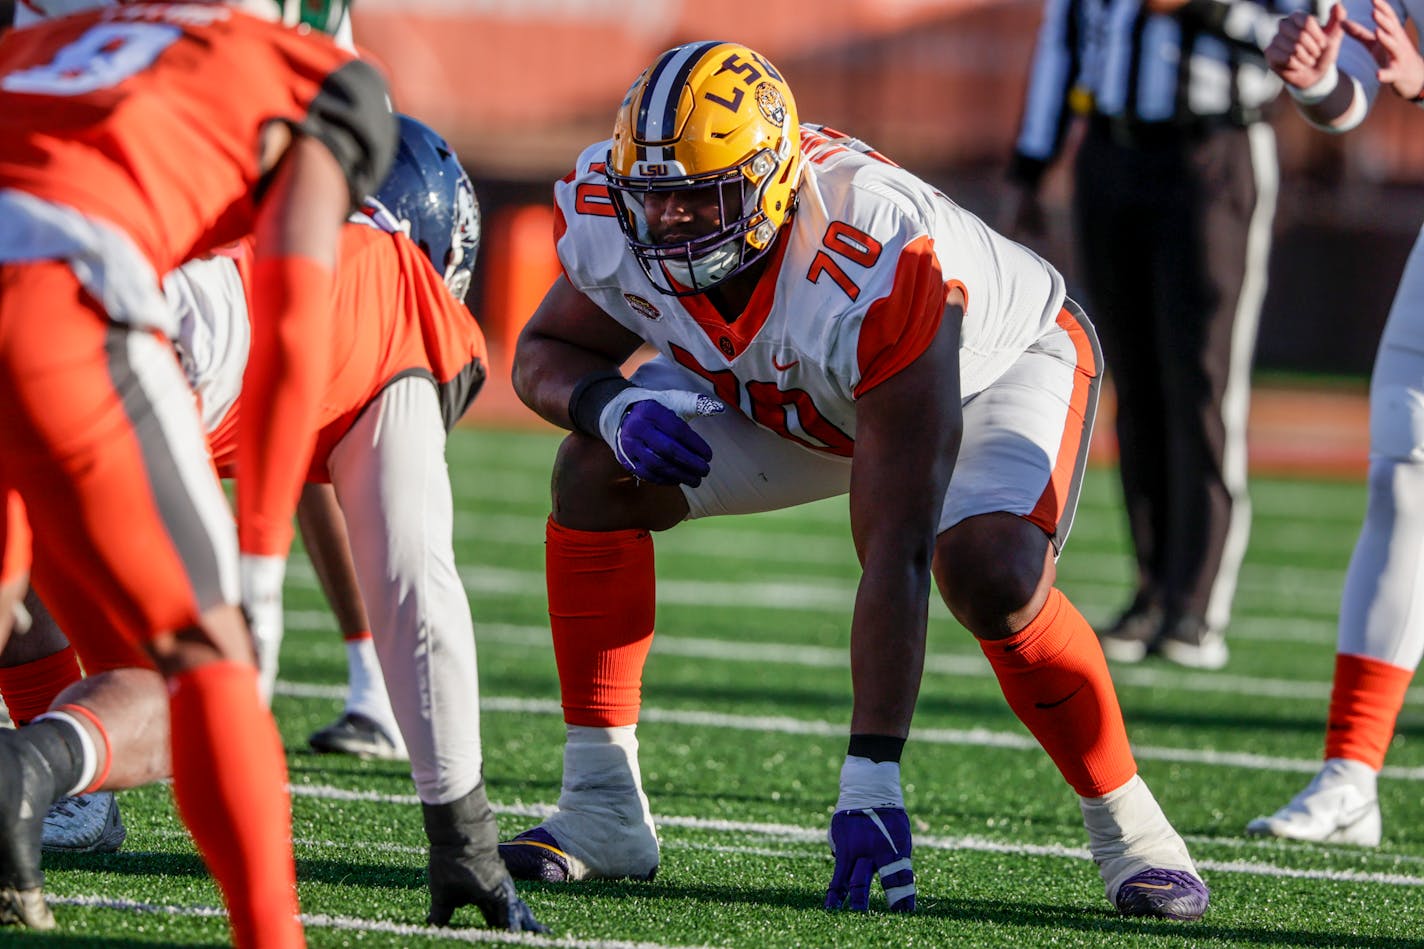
(536, 855)
(1165, 894)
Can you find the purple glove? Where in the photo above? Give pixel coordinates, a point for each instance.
(866, 842)
(649, 434)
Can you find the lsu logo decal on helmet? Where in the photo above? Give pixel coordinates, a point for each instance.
(710, 125)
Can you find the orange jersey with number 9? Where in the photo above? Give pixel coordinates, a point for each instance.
(149, 117)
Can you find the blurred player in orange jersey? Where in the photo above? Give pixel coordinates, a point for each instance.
(123, 153)
(406, 360)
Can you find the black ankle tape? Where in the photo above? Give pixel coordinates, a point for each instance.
(878, 748)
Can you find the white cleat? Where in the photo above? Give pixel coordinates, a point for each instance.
(86, 823)
(1338, 806)
(603, 828)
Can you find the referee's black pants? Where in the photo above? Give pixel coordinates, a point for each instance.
(1174, 232)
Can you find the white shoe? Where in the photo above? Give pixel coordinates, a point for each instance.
(1338, 806)
(603, 828)
(86, 823)
(1129, 836)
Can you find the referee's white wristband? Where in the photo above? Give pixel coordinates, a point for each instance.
(1317, 91)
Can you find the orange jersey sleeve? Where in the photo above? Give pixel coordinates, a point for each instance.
(901, 325)
(149, 117)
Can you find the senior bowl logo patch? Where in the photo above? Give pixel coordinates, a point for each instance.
(642, 306)
(772, 105)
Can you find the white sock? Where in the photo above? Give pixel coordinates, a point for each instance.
(366, 693)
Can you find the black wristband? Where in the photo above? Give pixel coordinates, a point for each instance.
(878, 748)
(590, 395)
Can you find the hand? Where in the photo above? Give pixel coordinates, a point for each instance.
(1400, 65)
(1304, 50)
(261, 581)
(501, 908)
(648, 432)
(870, 834)
(865, 843)
(465, 868)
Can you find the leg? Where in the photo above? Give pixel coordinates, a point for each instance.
(1381, 632)
(391, 480)
(1118, 227)
(1024, 448)
(104, 446)
(601, 610)
(1210, 282)
(367, 726)
(46, 681)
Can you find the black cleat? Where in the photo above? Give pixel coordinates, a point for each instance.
(466, 869)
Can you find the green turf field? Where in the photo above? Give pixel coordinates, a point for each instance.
(746, 701)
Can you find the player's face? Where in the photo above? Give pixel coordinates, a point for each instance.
(676, 217)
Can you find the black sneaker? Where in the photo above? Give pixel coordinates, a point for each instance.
(355, 734)
(1133, 635)
(1189, 641)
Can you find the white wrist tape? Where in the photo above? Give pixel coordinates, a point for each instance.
(1317, 91)
(687, 406)
(866, 783)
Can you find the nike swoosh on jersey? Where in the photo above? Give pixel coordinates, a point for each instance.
(781, 368)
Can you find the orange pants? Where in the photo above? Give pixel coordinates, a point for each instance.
(102, 442)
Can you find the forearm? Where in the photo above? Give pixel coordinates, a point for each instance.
(887, 648)
(547, 372)
(1338, 108)
(324, 534)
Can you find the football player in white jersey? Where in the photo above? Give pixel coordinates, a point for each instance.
(1334, 70)
(826, 323)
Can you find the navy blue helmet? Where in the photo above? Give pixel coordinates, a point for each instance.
(428, 196)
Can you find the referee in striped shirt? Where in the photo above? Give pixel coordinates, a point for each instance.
(1174, 192)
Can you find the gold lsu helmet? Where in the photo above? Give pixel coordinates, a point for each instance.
(715, 118)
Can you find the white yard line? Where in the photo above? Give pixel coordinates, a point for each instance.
(970, 666)
(358, 924)
(972, 737)
(817, 835)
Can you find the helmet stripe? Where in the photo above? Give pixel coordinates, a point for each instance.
(657, 113)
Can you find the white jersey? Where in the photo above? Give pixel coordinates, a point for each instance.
(855, 292)
(210, 304)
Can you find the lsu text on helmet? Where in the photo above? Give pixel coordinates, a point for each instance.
(709, 123)
(428, 195)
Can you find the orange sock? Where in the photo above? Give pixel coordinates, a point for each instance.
(229, 780)
(1056, 680)
(602, 599)
(30, 688)
(1364, 704)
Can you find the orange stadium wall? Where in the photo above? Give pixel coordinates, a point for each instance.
(521, 86)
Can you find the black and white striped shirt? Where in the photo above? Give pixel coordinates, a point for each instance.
(1115, 59)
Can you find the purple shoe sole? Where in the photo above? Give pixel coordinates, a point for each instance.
(1164, 894)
